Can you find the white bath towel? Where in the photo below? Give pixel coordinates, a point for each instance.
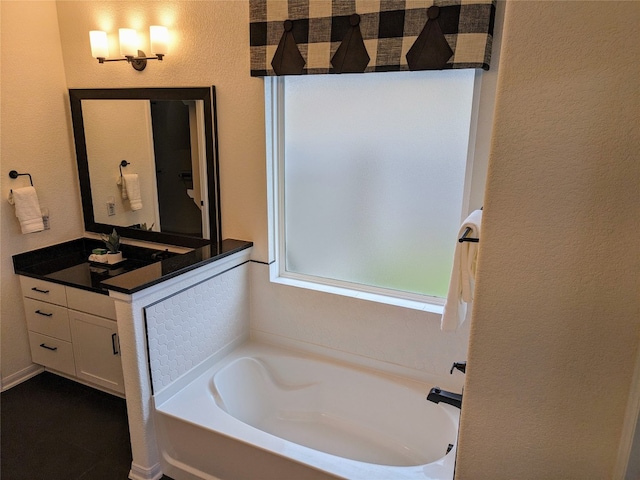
(131, 190)
(463, 274)
(27, 209)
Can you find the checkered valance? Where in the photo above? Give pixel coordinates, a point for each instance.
(340, 36)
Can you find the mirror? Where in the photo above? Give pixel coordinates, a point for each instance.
(148, 162)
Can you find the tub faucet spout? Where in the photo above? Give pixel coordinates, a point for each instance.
(436, 395)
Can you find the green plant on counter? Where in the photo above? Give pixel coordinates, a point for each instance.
(112, 241)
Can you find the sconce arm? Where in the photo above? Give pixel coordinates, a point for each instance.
(139, 63)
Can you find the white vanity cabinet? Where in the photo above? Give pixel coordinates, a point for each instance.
(73, 331)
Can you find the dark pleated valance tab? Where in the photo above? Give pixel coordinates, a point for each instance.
(299, 37)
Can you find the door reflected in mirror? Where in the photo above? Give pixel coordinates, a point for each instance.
(147, 161)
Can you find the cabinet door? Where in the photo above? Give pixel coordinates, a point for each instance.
(96, 350)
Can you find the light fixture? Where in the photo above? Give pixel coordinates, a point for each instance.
(159, 40)
(99, 44)
(128, 38)
(128, 42)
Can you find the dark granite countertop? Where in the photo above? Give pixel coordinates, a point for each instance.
(66, 263)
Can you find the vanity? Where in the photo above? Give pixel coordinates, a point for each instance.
(72, 320)
(74, 332)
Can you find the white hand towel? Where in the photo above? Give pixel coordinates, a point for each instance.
(463, 275)
(123, 187)
(27, 209)
(132, 186)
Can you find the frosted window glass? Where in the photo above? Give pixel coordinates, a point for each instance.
(374, 169)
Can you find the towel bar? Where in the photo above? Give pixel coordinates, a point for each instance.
(123, 163)
(13, 174)
(464, 238)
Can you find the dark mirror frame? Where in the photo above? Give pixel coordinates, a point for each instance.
(207, 94)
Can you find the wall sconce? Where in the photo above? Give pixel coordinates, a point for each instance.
(128, 37)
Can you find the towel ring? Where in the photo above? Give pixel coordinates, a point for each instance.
(464, 237)
(123, 163)
(13, 174)
(467, 231)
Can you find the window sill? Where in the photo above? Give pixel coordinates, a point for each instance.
(412, 301)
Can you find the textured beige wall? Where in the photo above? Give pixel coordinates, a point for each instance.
(556, 321)
(209, 45)
(35, 139)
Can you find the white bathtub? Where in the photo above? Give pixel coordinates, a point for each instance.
(267, 413)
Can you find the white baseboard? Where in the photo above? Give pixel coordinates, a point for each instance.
(21, 376)
(140, 473)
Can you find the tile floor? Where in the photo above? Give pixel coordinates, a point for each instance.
(56, 429)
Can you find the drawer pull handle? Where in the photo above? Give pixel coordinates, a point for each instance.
(48, 347)
(114, 338)
(44, 314)
(36, 289)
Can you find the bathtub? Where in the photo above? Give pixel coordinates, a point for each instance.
(263, 412)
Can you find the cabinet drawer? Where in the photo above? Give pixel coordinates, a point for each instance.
(47, 318)
(41, 290)
(52, 352)
(95, 303)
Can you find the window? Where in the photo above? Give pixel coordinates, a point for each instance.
(371, 179)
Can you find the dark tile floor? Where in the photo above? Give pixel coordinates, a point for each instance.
(56, 429)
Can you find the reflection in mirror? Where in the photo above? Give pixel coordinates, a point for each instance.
(147, 162)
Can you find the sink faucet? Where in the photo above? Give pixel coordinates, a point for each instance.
(160, 255)
(436, 395)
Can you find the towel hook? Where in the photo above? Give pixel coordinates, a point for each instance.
(123, 163)
(13, 174)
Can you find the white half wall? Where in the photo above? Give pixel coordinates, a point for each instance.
(191, 309)
(187, 328)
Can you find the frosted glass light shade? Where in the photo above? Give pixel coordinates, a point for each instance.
(99, 44)
(128, 42)
(159, 39)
